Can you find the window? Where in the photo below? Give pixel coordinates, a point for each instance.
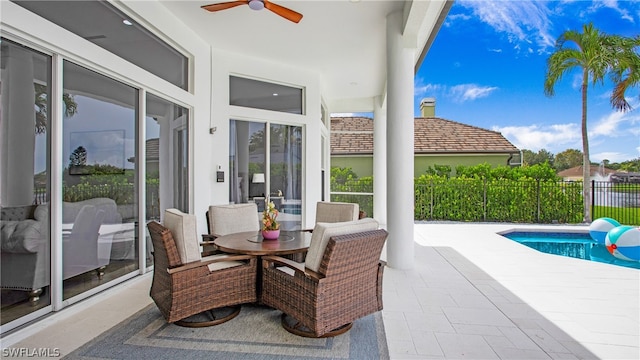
(263, 95)
(111, 29)
(99, 162)
(99, 212)
(25, 180)
(256, 173)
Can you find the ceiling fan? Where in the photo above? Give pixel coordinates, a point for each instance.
(257, 5)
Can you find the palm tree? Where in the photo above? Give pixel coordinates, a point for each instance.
(41, 104)
(626, 73)
(596, 54)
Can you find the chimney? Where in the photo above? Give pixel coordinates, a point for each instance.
(428, 107)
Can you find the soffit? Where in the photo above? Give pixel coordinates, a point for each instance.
(344, 41)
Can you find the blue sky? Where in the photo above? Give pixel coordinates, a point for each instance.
(487, 64)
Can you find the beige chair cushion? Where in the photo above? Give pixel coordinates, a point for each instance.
(331, 212)
(322, 232)
(184, 230)
(221, 265)
(224, 265)
(233, 218)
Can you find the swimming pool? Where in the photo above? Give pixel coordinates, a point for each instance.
(294, 209)
(576, 245)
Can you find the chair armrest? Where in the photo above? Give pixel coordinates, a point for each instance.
(208, 245)
(299, 268)
(208, 238)
(209, 260)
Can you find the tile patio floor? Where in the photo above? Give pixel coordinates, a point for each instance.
(472, 295)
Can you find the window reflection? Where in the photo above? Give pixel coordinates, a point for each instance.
(99, 207)
(246, 158)
(286, 174)
(165, 123)
(256, 173)
(24, 181)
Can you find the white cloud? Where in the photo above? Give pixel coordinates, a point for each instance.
(454, 17)
(457, 93)
(615, 137)
(576, 81)
(614, 157)
(421, 90)
(613, 4)
(520, 21)
(470, 92)
(606, 126)
(554, 138)
(616, 124)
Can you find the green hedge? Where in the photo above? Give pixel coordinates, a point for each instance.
(525, 200)
(532, 194)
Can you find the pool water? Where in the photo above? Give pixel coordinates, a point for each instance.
(294, 209)
(575, 245)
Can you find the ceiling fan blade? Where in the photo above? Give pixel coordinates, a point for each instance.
(283, 11)
(224, 5)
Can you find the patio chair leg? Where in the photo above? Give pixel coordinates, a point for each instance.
(295, 327)
(214, 317)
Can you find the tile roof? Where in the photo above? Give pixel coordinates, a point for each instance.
(577, 171)
(152, 150)
(354, 136)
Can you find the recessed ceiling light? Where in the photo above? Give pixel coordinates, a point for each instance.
(127, 22)
(275, 94)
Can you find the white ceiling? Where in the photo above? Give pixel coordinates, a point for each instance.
(343, 40)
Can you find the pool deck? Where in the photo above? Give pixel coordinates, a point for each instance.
(477, 295)
(472, 294)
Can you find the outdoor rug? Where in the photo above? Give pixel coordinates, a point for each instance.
(256, 333)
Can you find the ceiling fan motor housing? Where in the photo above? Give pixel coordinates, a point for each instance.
(256, 4)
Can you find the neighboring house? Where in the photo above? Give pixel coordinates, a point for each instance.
(626, 177)
(437, 142)
(597, 173)
(153, 156)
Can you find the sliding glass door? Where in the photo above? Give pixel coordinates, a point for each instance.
(285, 173)
(100, 207)
(25, 180)
(258, 173)
(100, 183)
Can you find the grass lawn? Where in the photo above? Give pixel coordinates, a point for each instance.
(625, 216)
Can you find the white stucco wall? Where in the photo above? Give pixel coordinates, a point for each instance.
(225, 64)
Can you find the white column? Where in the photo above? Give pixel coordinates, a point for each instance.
(400, 193)
(242, 152)
(17, 134)
(380, 162)
(164, 165)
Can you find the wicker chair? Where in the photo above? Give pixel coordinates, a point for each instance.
(228, 219)
(336, 285)
(330, 212)
(213, 287)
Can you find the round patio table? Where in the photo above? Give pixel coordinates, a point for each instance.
(252, 243)
(293, 243)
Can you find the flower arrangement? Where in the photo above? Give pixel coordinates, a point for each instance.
(269, 216)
